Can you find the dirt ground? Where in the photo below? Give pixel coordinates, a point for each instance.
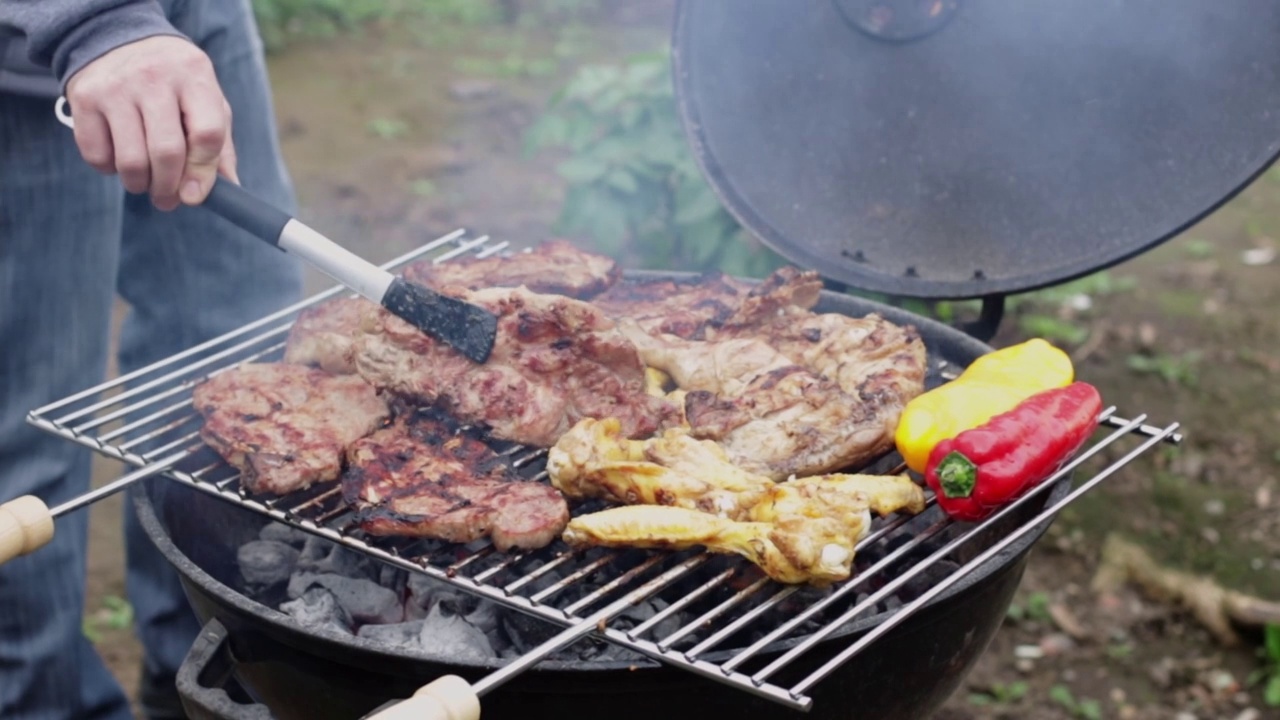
(1187, 333)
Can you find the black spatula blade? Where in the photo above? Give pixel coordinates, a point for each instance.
(469, 329)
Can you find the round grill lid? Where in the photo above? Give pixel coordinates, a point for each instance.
(965, 148)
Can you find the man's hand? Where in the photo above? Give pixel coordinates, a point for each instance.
(152, 111)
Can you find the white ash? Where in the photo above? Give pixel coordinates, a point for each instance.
(322, 583)
(325, 557)
(279, 532)
(396, 636)
(319, 607)
(364, 600)
(450, 635)
(425, 591)
(266, 563)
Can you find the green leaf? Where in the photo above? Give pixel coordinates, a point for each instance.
(1061, 694)
(1273, 642)
(90, 631)
(622, 180)
(582, 169)
(1053, 329)
(980, 699)
(695, 203)
(1090, 710)
(1272, 694)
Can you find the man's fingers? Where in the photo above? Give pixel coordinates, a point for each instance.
(227, 161)
(203, 115)
(129, 142)
(166, 146)
(93, 137)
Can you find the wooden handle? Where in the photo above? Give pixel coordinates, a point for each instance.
(449, 698)
(26, 525)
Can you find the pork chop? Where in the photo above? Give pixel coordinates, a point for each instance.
(285, 427)
(556, 267)
(321, 336)
(686, 308)
(421, 478)
(556, 360)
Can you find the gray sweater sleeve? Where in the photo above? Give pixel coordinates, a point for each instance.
(66, 35)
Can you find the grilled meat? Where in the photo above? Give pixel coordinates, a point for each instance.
(867, 357)
(556, 360)
(322, 335)
(422, 478)
(722, 368)
(285, 426)
(686, 308)
(772, 416)
(553, 267)
(801, 532)
(593, 461)
(791, 422)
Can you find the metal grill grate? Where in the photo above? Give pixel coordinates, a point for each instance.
(739, 617)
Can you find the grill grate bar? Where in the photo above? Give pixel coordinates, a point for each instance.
(147, 414)
(540, 572)
(675, 607)
(577, 575)
(711, 615)
(813, 610)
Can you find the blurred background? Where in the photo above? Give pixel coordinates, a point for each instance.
(402, 120)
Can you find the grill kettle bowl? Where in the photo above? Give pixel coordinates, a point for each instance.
(298, 672)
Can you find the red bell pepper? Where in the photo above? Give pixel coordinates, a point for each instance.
(984, 468)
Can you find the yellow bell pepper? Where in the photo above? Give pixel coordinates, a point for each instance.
(993, 384)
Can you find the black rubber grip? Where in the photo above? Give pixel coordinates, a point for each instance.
(240, 207)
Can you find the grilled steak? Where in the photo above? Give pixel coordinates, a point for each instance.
(687, 308)
(556, 360)
(285, 426)
(554, 267)
(772, 416)
(870, 358)
(421, 478)
(321, 336)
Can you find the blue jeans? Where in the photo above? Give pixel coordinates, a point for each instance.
(70, 239)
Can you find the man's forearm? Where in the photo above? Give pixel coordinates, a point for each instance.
(66, 35)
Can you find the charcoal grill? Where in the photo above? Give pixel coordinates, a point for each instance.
(950, 149)
(146, 420)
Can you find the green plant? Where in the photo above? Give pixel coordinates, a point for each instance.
(1269, 674)
(1179, 370)
(1052, 329)
(1000, 694)
(1199, 248)
(1035, 609)
(280, 20)
(633, 189)
(1119, 650)
(388, 128)
(1084, 709)
(115, 614)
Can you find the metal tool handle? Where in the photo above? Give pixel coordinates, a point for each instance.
(449, 698)
(26, 525)
(277, 227)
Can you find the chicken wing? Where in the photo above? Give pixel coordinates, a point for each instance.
(792, 550)
(594, 460)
